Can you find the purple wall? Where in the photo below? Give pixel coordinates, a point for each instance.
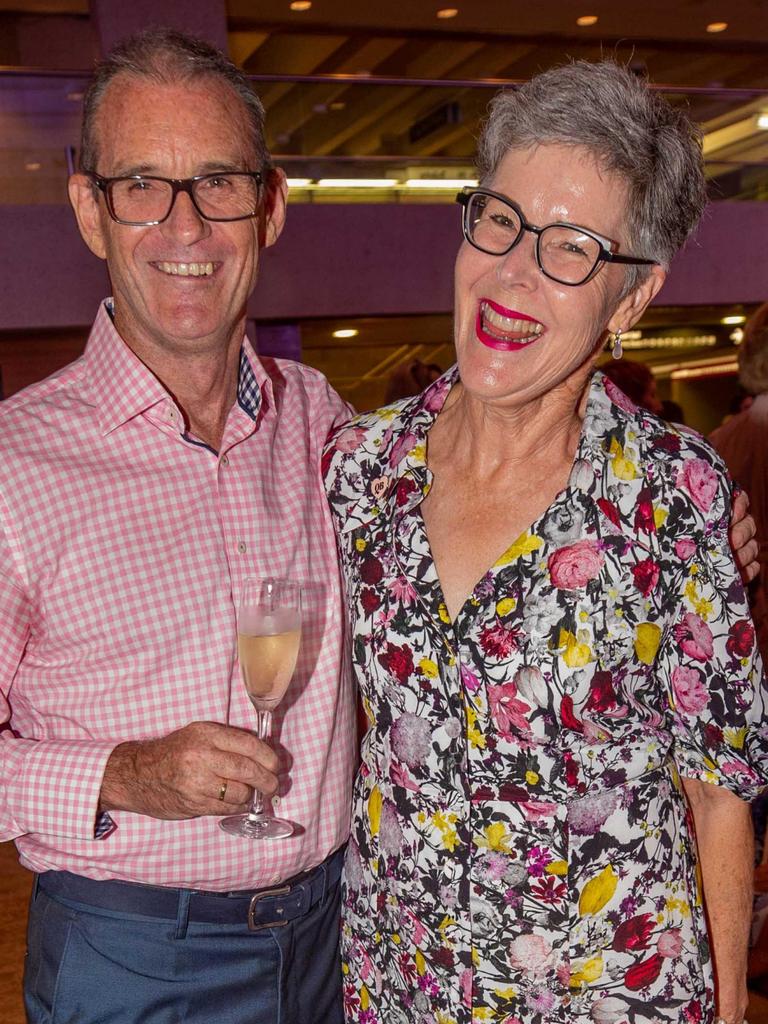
(337, 260)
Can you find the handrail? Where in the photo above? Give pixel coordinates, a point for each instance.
(12, 71)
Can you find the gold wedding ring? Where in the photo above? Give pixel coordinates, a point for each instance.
(223, 789)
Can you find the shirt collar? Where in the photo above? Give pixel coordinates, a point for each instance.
(123, 387)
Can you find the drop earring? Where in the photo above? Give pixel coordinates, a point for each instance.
(617, 352)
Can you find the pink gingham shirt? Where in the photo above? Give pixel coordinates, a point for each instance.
(123, 548)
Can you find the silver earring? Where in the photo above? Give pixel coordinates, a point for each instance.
(617, 352)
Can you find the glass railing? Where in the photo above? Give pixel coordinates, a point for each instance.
(355, 138)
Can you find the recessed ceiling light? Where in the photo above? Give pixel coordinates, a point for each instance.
(346, 332)
(337, 105)
(587, 19)
(357, 183)
(75, 97)
(298, 182)
(762, 121)
(733, 320)
(717, 26)
(301, 5)
(33, 165)
(447, 12)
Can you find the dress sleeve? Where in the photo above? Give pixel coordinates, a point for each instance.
(709, 665)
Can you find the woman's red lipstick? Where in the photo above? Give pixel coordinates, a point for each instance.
(506, 330)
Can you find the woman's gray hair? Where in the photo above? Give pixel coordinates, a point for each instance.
(168, 57)
(631, 130)
(753, 353)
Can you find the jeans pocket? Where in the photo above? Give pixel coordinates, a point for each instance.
(48, 937)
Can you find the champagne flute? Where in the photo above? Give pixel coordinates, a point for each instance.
(268, 638)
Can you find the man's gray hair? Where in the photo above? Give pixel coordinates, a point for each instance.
(631, 131)
(168, 57)
(753, 353)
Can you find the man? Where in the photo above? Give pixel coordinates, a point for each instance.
(138, 488)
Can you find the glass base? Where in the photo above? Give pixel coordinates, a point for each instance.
(264, 827)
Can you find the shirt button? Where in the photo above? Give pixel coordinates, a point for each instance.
(172, 415)
(242, 547)
(224, 461)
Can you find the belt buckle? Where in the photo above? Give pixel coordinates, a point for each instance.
(252, 926)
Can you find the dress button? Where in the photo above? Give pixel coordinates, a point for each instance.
(224, 461)
(242, 547)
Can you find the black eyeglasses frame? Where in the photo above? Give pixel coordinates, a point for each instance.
(605, 254)
(177, 185)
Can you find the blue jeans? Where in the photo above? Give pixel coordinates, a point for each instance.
(93, 965)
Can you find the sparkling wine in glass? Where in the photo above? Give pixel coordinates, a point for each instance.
(268, 638)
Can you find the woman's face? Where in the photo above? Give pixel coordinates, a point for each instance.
(519, 334)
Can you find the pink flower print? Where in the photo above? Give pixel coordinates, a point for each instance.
(670, 943)
(537, 810)
(469, 680)
(573, 567)
(700, 480)
(537, 859)
(531, 954)
(350, 439)
(498, 641)
(694, 637)
(685, 548)
(691, 695)
(402, 590)
(401, 447)
(507, 710)
(465, 984)
(400, 777)
(411, 739)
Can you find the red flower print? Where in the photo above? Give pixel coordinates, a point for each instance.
(602, 696)
(646, 576)
(644, 520)
(633, 934)
(741, 637)
(572, 568)
(571, 771)
(371, 570)
(692, 1013)
(549, 889)
(644, 973)
(398, 661)
(569, 720)
(405, 488)
(609, 509)
(370, 600)
(498, 641)
(695, 637)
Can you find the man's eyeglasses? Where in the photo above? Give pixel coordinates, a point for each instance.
(565, 253)
(142, 200)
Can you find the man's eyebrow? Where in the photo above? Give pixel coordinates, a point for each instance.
(209, 167)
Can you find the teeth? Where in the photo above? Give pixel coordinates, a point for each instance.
(186, 269)
(510, 325)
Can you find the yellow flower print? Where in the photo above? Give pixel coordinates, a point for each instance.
(496, 837)
(524, 545)
(361, 544)
(735, 737)
(505, 606)
(557, 867)
(575, 654)
(374, 810)
(660, 517)
(428, 668)
(421, 963)
(623, 468)
(589, 971)
(647, 640)
(598, 891)
(442, 611)
(365, 1000)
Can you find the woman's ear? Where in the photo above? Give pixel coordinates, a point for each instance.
(633, 305)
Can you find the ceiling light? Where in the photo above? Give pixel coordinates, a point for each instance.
(301, 5)
(762, 121)
(447, 12)
(736, 335)
(346, 332)
(717, 26)
(440, 182)
(733, 320)
(75, 97)
(33, 165)
(357, 183)
(337, 105)
(586, 20)
(298, 182)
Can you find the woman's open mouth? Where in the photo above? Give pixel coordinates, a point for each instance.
(506, 329)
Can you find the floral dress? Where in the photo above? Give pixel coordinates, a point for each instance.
(522, 849)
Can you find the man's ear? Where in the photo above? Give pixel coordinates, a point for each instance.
(86, 206)
(633, 305)
(275, 200)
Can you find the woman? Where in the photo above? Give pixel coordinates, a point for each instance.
(548, 627)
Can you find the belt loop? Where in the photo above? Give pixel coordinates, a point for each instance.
(182, 915)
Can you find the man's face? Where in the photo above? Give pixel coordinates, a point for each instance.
(176, 131)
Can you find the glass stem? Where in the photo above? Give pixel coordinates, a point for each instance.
(263, 731)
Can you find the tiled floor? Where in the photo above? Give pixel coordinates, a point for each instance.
(14, 894)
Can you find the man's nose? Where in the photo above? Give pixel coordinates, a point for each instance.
(184, 220)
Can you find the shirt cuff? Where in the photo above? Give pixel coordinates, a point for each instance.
(52, 787)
